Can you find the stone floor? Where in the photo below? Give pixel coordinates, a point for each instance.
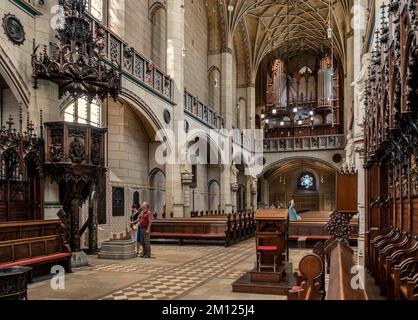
(191, 272)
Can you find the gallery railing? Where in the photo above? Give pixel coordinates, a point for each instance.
(202, 112)
(330, 142)
(133, 64)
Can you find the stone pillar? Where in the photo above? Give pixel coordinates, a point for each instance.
(251, 113)
(175, 68)
(360, 67)
(227, 104)
(251, 108)
(349, 78)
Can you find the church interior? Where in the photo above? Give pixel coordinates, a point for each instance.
(251, 149)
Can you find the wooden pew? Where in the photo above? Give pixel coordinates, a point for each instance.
(312, 226)
(38, 244)
(28, 229)
(189, 229)
(229, 229)
(342, 261)
(310, 280)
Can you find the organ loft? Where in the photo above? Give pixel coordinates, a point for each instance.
(209, 150)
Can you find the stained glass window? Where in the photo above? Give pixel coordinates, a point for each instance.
(307, 182)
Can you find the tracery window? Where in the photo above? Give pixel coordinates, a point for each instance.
(307, 182)
(80, 111)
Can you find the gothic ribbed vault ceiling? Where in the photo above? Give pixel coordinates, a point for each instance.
(284, 27)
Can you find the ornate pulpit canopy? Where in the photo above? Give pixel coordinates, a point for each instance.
(75, 63)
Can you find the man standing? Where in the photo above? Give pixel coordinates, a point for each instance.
(145, 227)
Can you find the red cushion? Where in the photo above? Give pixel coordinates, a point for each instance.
(36, 260)
(267, 248)
(196, 235)
(296, 288)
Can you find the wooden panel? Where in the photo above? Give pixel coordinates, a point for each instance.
(29, 229)
(341, 263)
(405, 215)
(38, 249)
(21, 251)
(415, 216)
(347, 192)
(6, 254)
(265, 214)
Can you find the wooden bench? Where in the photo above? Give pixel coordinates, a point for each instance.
(228, 229)
(189, 229)
(28, 229)
(35, 252)
(341, 264)
(38, 244)
(312, 227)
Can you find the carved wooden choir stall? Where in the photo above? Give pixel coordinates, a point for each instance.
(336, 258)
(25, 238)
(391, 138)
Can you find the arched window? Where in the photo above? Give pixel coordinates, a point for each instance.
(214, 195)
(159, 35)
(98, 9)
(215, 89)
(157, 184)
(80, 111)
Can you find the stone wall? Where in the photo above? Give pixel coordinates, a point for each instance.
(196, 45)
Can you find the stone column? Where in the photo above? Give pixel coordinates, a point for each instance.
(175, 68)
(251, 108)
(349, 78)
(227, 104)
(251, 113)
(360, 66)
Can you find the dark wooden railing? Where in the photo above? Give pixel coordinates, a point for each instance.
(134, 65)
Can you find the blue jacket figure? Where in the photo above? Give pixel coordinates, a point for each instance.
(293, 216)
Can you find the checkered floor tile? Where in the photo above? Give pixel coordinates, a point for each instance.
(127, 268)
(182, 278)
(232, 274)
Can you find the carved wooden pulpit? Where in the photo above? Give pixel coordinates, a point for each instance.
(75, 159)
(272, 238)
